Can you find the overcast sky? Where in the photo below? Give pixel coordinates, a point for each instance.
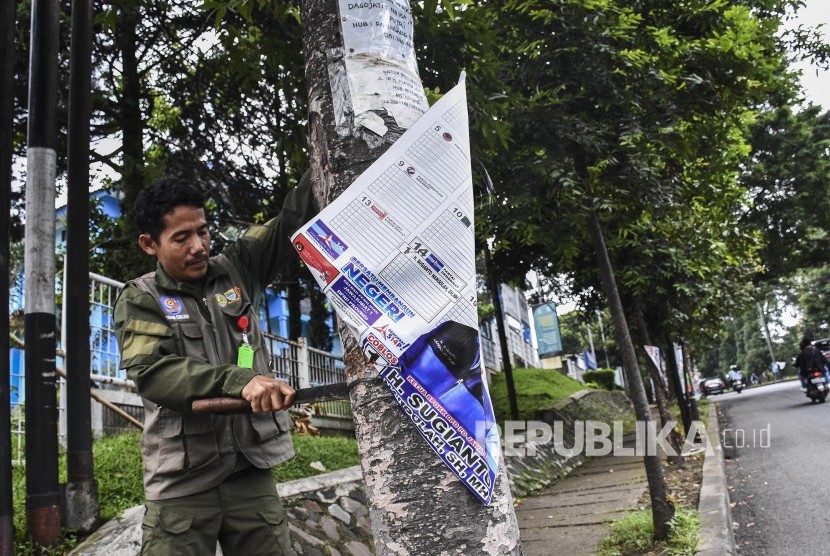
(816, 82)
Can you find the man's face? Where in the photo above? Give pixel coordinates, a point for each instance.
(183, 247)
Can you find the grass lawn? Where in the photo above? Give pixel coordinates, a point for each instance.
(118, 469)
(535, 389)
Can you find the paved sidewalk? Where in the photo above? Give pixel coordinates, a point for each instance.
(572, 516)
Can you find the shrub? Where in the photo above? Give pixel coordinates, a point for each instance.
(634, 534)
(603, 377)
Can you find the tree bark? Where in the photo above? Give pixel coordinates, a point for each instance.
(674, 374)
(662, 510)
(506, 364)
(294, 294)
(660, 391)
(687, 374)
(417, 504)
(81, 492)
(132, 124)
(319, 333)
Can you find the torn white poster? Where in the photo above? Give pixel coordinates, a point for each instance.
(395, 253)
(380, 63)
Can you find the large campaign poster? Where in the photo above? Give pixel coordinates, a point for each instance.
(395, 254)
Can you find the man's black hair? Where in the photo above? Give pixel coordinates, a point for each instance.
(162, 198)
(804, 343)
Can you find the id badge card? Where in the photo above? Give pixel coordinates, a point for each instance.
(245, 356)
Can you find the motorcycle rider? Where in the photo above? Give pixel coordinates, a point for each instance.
(810, 359)
(733, 374)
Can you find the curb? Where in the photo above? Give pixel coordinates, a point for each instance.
(716, 538)
(332, 478)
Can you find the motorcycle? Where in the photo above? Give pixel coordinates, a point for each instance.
(817, 387)
(737, 384)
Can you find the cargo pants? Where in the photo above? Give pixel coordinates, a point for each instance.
(244, 514)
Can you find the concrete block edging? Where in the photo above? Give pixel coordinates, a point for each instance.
(716, 537)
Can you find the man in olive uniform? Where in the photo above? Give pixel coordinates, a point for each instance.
(187, 331)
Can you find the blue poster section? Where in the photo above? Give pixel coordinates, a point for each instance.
(439, 384)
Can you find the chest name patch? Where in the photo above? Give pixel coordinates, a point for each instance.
(173, 307)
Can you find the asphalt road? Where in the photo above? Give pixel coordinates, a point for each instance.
(777, 449)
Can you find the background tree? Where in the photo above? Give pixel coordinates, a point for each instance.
(644, 108)
(787, 178)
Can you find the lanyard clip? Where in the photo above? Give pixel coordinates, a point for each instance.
(242, 323)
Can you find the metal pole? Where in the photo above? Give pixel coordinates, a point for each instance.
(674, 376)
(604, 343)
(694, 414)
(42, 493)
(591, 342)
(505, 351)
(7, 20)
(766, 332)
(81, 489)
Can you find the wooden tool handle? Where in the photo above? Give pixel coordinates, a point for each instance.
(221, 405)
(315, 394)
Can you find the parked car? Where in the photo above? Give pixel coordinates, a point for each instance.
(711, 385)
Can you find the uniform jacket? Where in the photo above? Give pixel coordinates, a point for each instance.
(179, 342)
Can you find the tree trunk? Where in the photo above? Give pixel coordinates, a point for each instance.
(660, 391)
(132, 124)
(506, 364)
(765, 326)
(319, 333)
(687, 376)
(674, 374)
(294, 295)
(417, 504)
(662, 510)
(81, 492)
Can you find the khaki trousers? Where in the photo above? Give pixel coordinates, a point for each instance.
(244, 514)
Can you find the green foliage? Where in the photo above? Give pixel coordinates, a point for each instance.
(222, 106)
(603, 377)
(535, 389)
(741, 339)
(574, 327)
(118, 470)
(787, 179)
(633, 534)
(813, 297)
(486, 312)
(645, 112)
(67, 541)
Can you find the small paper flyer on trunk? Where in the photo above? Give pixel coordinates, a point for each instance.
(395, 254)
